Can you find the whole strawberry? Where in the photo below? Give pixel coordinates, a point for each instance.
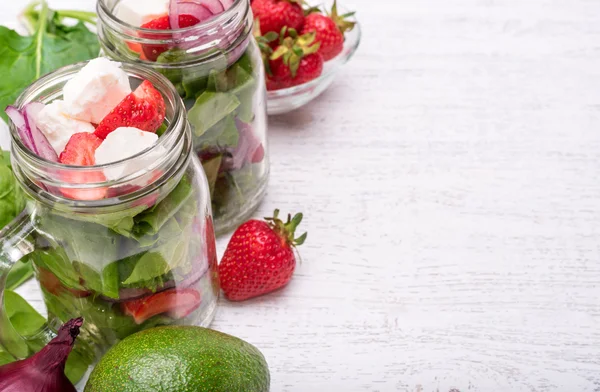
(274, 15)
(295, 61)
(260, 257)
(329, 31)
(309, 67)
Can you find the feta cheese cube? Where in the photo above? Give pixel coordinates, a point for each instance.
(138, 12)
(57, 126)
(125, 142)
(95, 90)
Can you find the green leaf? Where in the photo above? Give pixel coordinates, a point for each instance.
(5, 357)
(155, 266)
(12, 198)
(51, 46)
(211, 169)
(25, 319)
(20, 273)
(151, 220)
(57, 262)
(209, 109)
(223, 134)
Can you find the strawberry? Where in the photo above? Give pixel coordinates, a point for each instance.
(295, 61)
(79, 151)
(144, 109)
(329, 31)
(274, 15)
(177, 303)
(151, 52)
(54, 286)
(260, 257)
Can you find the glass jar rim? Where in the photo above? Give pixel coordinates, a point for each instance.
(215, 21)
(32, 169)
(164, 86)
(223, 34)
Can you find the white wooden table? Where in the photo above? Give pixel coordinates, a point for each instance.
(450, 180)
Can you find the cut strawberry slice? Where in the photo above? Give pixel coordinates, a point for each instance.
(53, 285)
(79, 151)
(143, 109)
(177, 303)
(152, 52)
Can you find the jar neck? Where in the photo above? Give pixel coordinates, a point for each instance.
(225, 35)
(137, 176)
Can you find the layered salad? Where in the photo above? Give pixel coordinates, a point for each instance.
(222, 88)
(147, 262)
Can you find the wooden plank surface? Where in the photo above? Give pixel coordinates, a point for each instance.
(450, 182)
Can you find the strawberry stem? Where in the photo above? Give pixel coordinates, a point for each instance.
(287, 230)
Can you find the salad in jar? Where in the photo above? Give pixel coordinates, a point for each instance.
(206, 49)
(123, 234)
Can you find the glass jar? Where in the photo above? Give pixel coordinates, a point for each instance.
(141, 257)
(217, 69)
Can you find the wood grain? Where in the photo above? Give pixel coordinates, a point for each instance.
(450, 182)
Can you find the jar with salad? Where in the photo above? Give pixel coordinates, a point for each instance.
(118, 220)
(206, 49)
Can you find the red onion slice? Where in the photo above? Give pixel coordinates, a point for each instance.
(197, 10)
(214, 6)
(248, 145)
(226, 3)
(19, 120)
(41, 144)
(174, 14)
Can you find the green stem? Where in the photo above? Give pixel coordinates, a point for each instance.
(83, 16)
(41, 30)
(31, 17)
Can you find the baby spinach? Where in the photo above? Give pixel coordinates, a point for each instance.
(51, 45)
(12, 198)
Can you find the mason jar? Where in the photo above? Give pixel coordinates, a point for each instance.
(143, 256)
(217, 70)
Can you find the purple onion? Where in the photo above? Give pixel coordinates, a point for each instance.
(248, 147)
(44, 371)
(23, 130)
(43, 147)
(28, 131)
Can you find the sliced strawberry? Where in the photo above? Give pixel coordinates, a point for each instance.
(177, 303)
(144, 109)
(79, 151)
(152, 52)
(53, 285)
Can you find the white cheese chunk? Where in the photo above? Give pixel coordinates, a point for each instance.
(58, 127)
(125, 142)
(95, 90)
(138, 12)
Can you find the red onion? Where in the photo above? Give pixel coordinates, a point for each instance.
(249, 148)
(30, 134)
(214, 6)
(44, 371)
(190, 7)
(19, 120)
(226, 3)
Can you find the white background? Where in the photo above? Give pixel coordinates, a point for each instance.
(450, 183)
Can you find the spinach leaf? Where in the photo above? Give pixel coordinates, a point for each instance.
(51, 46)
(57, 262)
(12, 198)
(150, 221)
(221, 135)
(25, 319)
(211, 168)
(20, 273)
(5, 357)
(209, 109)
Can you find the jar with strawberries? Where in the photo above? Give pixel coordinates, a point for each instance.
(206, 49)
